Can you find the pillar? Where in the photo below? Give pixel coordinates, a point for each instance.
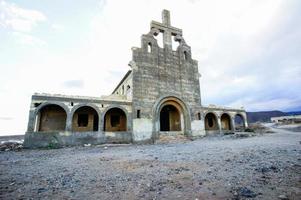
(69, 122)
(232, 121)
(219, 123)
(31, 121)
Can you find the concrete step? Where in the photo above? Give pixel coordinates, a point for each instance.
(171, 137)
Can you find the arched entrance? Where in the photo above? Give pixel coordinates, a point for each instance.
(51, 118)
(170, 119)
(171, 115)
(226, 122)
(211, 122)
(239, 122)
(85, 119)
(115, 120)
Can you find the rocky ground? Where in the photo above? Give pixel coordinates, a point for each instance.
(289, 127)
(266, 166)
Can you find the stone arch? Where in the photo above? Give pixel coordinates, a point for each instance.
(226, 122)
(181, 107)
(73, 110)
(239, 121)
(115, 118)
(51, 116)
(85, 118)
(211, 121)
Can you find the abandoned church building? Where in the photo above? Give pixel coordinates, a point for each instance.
(159, 96)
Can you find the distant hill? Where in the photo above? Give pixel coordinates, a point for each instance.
(263, 116)
(293, 113)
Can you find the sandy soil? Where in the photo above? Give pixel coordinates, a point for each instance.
(261, 167)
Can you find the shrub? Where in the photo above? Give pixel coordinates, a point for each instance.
(249, 130)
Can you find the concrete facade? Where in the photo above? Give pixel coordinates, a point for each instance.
(160, 95)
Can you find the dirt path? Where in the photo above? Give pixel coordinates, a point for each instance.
(261, 167)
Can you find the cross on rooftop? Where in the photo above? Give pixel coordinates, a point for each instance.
(165, 27)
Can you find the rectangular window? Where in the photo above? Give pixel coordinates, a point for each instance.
(138, 113)
(199, 116)
(82, 120)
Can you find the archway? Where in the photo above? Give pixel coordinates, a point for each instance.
(115, 120)
(226, 122)
(85, 119)
(183, 112)
(51, 118)
(239, 122)
(211, 122)
(170, 119)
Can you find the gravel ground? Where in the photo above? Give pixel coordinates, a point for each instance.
(290, 127)
(261, 167)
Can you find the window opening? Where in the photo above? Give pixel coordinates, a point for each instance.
(149, 47)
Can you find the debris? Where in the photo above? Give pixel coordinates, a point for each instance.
(11, 146)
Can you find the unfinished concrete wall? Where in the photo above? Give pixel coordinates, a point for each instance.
(115, 120)
(85, 119)
(125, 86)
(52, 118)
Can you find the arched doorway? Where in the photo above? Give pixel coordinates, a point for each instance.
(226, 122)
(239, 122)
(85, 119)
(115, 120)
(51, 118)
(211, 122)
(177, 124)
(170, 119)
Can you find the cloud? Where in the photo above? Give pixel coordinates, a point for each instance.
(74, 84)
(57, 27)
(6, 118)
(19, 19)
(264, 59)
(27, 39)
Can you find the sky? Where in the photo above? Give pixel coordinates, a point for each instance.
(249, 51)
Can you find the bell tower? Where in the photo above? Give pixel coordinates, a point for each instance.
(160, 73)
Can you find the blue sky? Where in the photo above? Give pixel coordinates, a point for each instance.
(249, 51)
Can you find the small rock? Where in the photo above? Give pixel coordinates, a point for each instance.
(282, 197)
(245, 192)
(87, 145)
(40, 190)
